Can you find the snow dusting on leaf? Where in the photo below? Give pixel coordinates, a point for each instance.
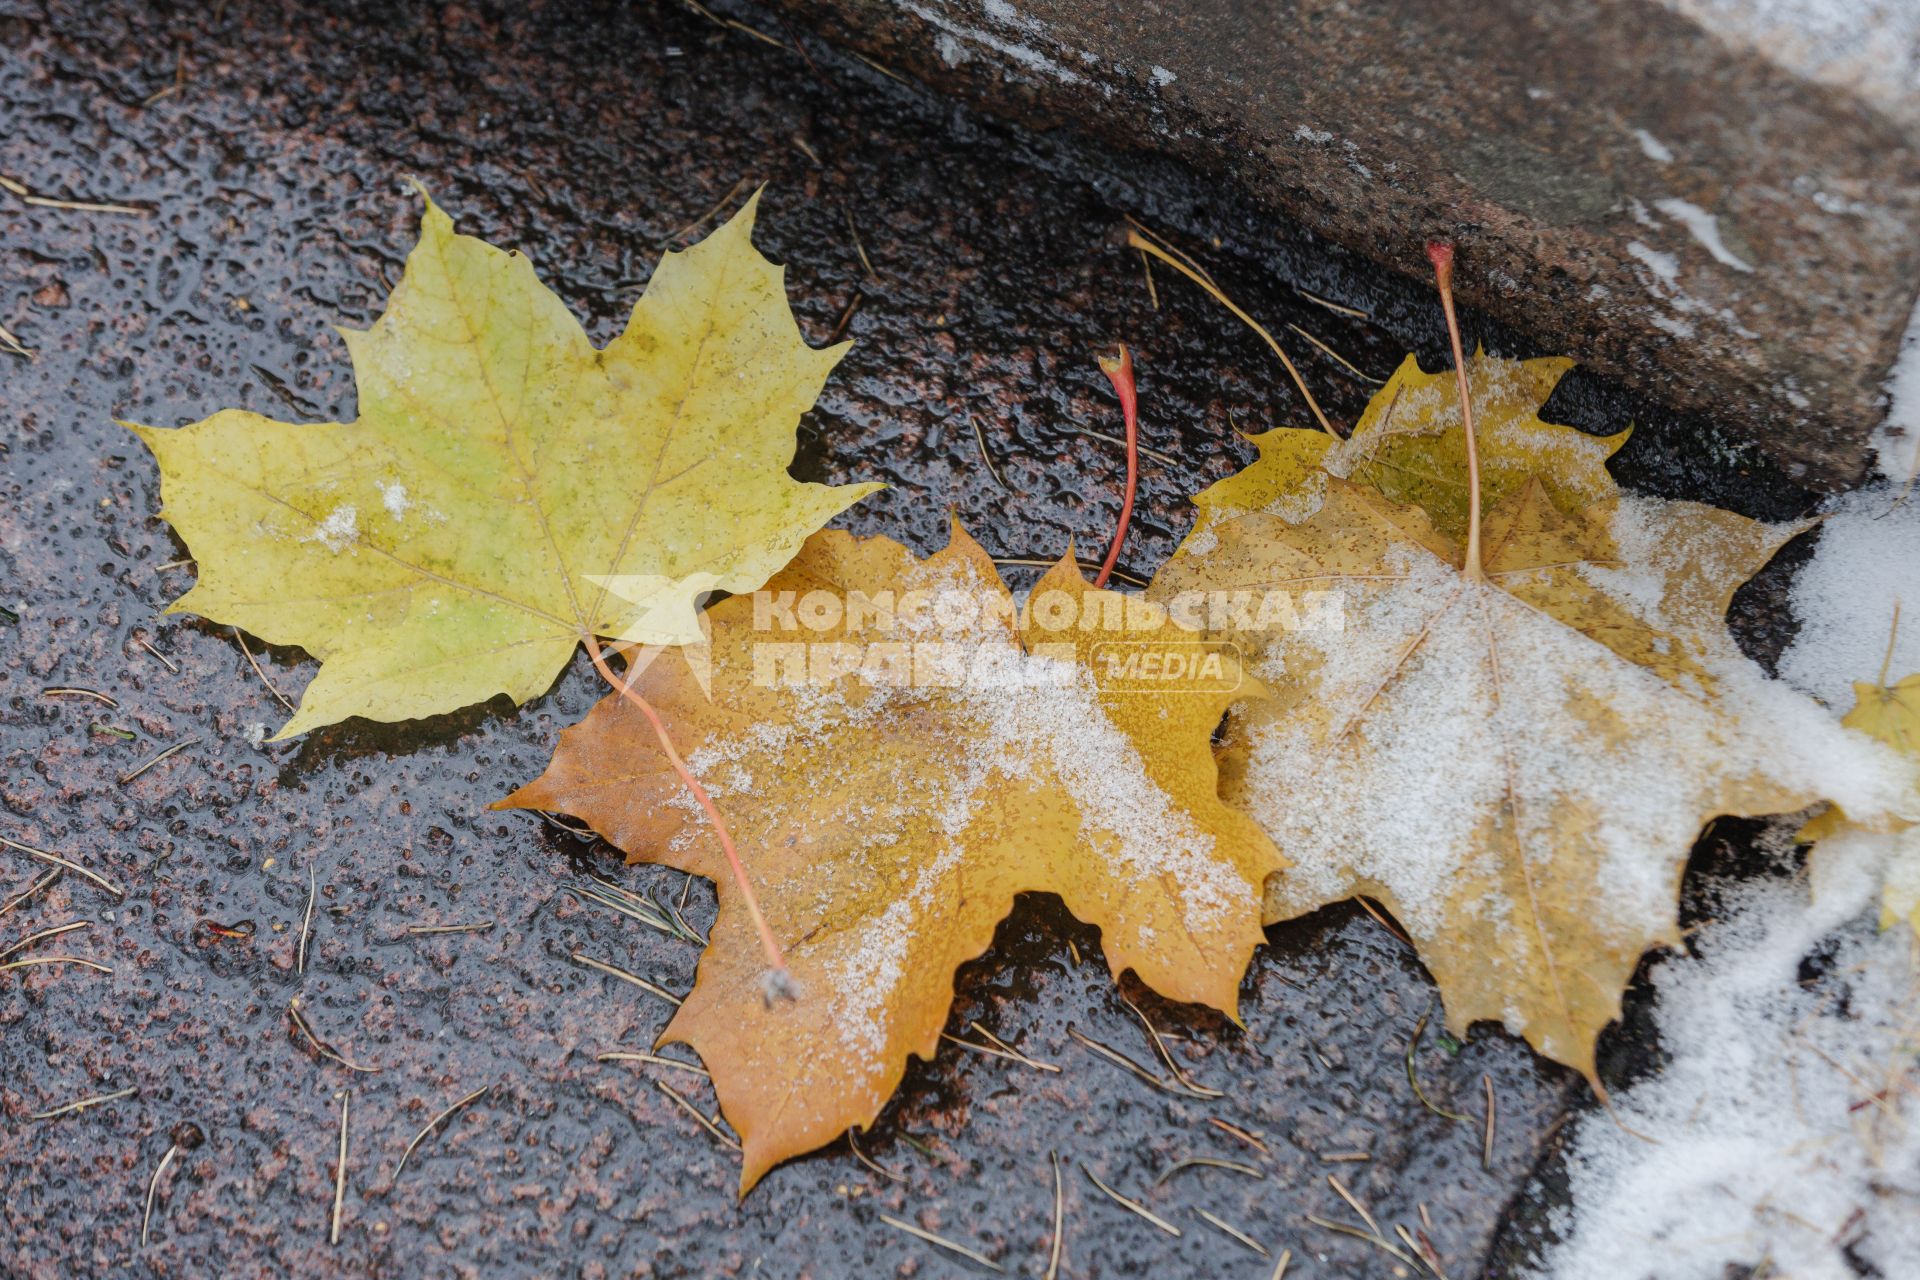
(1518, 767)
(889, 823)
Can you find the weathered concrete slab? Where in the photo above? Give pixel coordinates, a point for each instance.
(1720, 207)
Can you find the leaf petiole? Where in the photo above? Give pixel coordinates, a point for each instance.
(1119, 370)
(1893, 638)
(1440, 253)
(781, 982)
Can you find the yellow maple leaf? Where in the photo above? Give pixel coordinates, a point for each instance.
(1889, 714)
(507, 489)
(1410, 444)
(1516, 765)
(891, 806)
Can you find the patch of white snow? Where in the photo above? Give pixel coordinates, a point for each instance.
(340, 530)
(1783, 1132)
(394, 498)
(1868, 557)
(1655, 150)
(1704, 227)
(1897, 438)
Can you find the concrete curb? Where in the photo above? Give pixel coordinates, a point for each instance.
(1727, 219)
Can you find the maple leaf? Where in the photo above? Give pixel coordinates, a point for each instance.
(1410, 445)
(889, 825)
(507, 489)
(1516, 765)
(1889, 714)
